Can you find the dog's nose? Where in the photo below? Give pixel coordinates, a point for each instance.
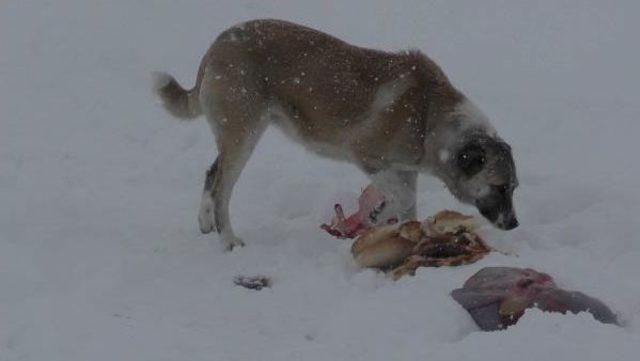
(507, 223)
(511, 224)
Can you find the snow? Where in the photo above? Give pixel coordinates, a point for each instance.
(100, 253)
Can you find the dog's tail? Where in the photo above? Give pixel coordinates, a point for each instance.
(181, 103)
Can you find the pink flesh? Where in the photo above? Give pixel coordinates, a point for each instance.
(371, 201)
(486, 291)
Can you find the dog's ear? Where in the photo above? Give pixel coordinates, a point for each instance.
(471, 159)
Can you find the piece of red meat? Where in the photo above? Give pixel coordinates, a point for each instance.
(370, 204)
(496, 297)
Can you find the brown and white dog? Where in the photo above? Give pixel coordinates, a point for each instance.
(391, 114)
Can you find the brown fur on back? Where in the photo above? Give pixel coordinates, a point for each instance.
(328, 86)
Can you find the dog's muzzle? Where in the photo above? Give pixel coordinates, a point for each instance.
(507, 223)
(500, 214)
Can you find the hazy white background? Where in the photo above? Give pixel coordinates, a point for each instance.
(100, 253)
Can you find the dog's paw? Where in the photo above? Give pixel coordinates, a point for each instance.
(229, 243)
(206, 223)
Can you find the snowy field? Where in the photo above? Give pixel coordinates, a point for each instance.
(100, 253)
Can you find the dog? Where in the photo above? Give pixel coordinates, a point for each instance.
(393, 115)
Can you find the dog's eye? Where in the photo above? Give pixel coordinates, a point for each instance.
(502, 189)
(471, 159)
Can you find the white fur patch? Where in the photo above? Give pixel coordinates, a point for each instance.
(444, 155)
(388, 93)
(482, 191)
(205, 215)
(473, 115)
(399, 196)
(160, 80)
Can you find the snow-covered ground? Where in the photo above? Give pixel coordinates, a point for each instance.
(100, 253)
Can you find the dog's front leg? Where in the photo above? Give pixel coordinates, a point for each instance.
(399, 189)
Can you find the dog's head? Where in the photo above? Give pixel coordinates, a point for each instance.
(485, 176)
(478, 168)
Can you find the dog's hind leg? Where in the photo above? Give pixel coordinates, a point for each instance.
(235, 150)
(233, 99)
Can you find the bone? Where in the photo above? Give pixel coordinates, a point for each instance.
(412, 231)
(385, 253)
(400, 249)
(447, 221)
(253, 282)
(373, 236)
